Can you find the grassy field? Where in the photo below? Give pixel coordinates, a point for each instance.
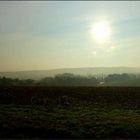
(69, 112)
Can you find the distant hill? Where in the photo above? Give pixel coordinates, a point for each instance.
(97, 71)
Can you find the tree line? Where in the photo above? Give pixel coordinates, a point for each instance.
(68, 79)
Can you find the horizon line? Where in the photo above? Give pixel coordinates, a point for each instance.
(70, 68)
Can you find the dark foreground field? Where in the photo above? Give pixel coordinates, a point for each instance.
(69, 112)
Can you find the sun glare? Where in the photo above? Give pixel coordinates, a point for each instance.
(101, 31)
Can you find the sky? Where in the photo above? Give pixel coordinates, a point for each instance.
(62, 34)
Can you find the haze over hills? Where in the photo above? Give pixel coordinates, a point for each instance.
(97, 71)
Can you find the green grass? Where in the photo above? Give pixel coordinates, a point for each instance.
(93, 112)
(86, 122)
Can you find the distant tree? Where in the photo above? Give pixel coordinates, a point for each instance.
(28, 82)
(68, 79)
(65, 79)
(4, 81)
(46, 81)
(117, 77)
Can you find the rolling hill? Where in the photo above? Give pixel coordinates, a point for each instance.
(96, 71)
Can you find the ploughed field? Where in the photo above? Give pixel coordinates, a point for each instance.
(69, 112)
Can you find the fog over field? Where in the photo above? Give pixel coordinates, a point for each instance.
(97, 71)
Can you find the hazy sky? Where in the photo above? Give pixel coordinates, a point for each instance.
(47, 35)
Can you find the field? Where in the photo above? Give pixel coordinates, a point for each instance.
(69, 112)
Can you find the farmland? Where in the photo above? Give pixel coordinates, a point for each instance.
(69, 112)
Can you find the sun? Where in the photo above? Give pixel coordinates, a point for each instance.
(101, 31)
